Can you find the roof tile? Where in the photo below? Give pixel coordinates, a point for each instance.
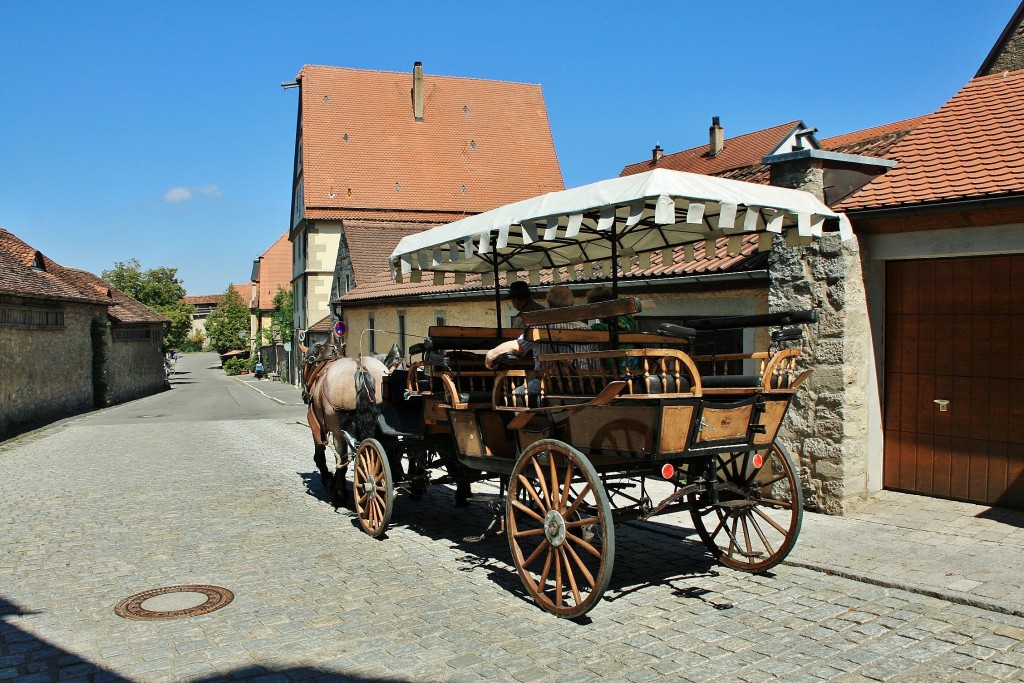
(970, 148)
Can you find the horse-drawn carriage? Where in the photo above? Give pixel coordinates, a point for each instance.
(575, 438)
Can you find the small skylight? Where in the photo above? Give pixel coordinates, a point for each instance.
(38, 262)
(398, 187)
(326, 99)
(465, 110)
(345, 137)
(472, 144)
(463, 190)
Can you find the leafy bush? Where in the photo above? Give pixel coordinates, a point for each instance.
(235, 366)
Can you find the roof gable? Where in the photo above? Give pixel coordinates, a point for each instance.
(480, 144)
(969, 148)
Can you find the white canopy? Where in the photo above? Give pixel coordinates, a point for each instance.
(614, 218)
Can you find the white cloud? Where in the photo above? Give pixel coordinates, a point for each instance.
(184, 194)
(177, 194)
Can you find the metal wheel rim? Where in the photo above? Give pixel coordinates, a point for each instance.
(563, 561)
(757, 521)
(372, 487)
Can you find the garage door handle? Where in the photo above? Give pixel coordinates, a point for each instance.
(943, 404)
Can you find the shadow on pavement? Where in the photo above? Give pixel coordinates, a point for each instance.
(27, 656)
(648, 554)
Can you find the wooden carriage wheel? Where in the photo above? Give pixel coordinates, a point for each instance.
(559, 527)
(372, 487)
(756, 519)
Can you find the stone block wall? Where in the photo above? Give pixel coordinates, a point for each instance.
(135, 367)
(46, 374)
(826, 427)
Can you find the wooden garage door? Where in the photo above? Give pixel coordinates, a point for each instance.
(955, 331)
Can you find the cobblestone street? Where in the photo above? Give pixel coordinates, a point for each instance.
(133, 498)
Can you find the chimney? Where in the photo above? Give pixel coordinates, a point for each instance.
(717, 135)
(656, 154)
(417, 90)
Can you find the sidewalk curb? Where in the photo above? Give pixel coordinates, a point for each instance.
(955, 597)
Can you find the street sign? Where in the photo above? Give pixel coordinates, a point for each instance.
(340, 328)
(302, 335)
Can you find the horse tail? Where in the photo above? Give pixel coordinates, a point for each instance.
(366, 403)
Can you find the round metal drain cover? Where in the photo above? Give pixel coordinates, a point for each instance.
(174, 602)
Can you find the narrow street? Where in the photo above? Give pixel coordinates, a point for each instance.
(212, 484)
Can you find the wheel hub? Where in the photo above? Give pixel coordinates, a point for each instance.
(370, 487)
(554, 528)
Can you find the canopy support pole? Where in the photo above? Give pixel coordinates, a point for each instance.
(497, 295)
(613, 328)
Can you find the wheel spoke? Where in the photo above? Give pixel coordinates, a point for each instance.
(576, 503)
(535, 554)
(768, 483)
(528, 532)
(777, 503)
(542, 482)
(570, 470)
(558, 580)
(579, 563)
(553, 481)
(528, 486)
(582, 522)
(771, 521)
(583, 544)
(543, 581)
(570, 575)
(522, 508)
(760, 534)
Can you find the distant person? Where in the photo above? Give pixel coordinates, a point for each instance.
(522, 300)
(259, 369)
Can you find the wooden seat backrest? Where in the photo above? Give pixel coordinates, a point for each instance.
(602, 309)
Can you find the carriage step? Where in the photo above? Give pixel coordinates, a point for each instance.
(488, 499)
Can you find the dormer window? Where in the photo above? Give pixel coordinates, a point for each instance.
(38, 262)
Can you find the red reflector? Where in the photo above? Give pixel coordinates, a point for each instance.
(758, 460)
(668, 470)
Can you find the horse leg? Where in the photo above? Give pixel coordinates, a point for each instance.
(340, 492)
(319, 449)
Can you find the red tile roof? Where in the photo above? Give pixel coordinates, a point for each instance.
(747, 259)
(969, 148)
(124, 308)
(868, 134)
(275, 272)
(245, 291)
(481, 143)
(203, 299)
(19, 277)
(738, 152)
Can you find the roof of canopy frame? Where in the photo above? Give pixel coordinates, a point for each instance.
(644, 213)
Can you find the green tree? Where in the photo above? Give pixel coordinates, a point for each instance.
(284, 315)
(228, 321)
(161, 290)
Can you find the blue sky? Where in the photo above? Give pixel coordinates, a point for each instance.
(159, 131)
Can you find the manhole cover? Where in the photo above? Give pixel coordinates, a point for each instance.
(174, 602)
